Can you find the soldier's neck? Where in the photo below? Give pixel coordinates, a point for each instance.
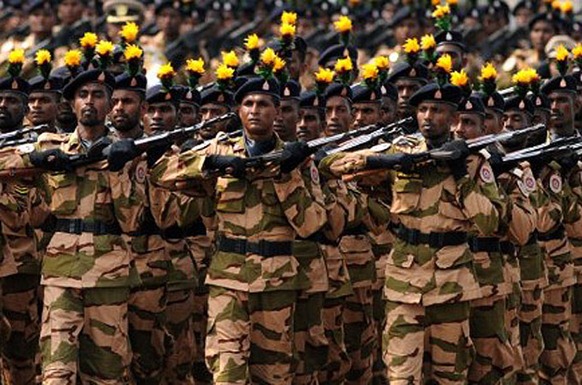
(40, 36)
(134, 133)
(436, 142)
(91, 133)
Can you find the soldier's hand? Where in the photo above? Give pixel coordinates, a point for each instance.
(120, 153)
(294, 154)
(348, 164)
(225, 165)
(400, 162)
(568, 161)
(498, 165)
(53, 160)
(455, 150)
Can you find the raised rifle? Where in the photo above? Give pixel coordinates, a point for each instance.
(555, 149)
(8, 136)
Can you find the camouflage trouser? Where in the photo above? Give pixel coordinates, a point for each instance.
(439, 333)
(311, 346)
(530, 334)
(575, 373)
(360, 335)
(338, 362)
(180, 357)
(202, 375)
(379, 317)
(21, 308)
(513, 303)
(85, 329)
(559, 348)
(494, 356)
(147, 333)
(250, 336)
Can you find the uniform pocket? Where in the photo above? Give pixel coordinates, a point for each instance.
(64, 193)
(230, 195)
(407, 195)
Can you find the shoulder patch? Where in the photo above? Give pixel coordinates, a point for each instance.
(556, 183)
(314, 174)
(486, 173)
(140, 172)
(25, 148)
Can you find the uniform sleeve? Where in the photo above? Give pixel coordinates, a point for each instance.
(127, 193)
(13, 205)
(573, 204)
(523, 217)
(173, 171)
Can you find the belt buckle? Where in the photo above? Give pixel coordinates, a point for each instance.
(240, 246)
(73, 228)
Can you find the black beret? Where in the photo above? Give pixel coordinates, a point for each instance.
(338, 89)
(246, 69)
(52, 84)
(88, 76)
(136, 83)
(401, 14)
(578, 76)
(309, 99)
(540, 102)
(529, 4)
(215, 95)
(17, 85)
(389, 90)
(41, 4)
(548, 17)
(160, 94)
(450, 37)
(299, 44)
(433, 92)
(473, 104)
(417, 72)
(559, 83)
(494, 101)
(160, 5)
(258, 85)
(362, 93)
(338, 51)
(291, 89)
(189, 95)
(520, 104)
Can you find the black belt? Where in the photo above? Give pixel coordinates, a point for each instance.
(262, 248)
(557, 233)
(358, 230)
(484, 244)
(78, 226)
(319, 238)
(434, 240)
(176, 232)
(507, 247)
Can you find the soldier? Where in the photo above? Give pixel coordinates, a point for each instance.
(311, 117)
(389, 103)
(189, 106)
(406, 24)
(44, 100)
(120, 12)
(429, 255)
(407, 79)
(215, 101)
(286, 123)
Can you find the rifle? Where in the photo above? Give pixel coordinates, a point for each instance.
(474, 145)
(21, 132)
(553, 149)
(17, 142)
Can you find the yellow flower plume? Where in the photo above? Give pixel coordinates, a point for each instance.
(441, 11)
(287, 30)
(411, 46)
(324, 75)
(104, 48)
(343, 25)
(230, 59)
(224, 72)
(73, 58)
(369, 71)
(252, 42)
(445, 63)
(42, 57)
(343, 65)
(382, 62)
(16, 56)
(132, 52)
(488, 72)
(427, 42)
(459, 78)
(89, 40)
(166, 71)
(562, 53)
(129, 32)
(289, 18)
(195, 66)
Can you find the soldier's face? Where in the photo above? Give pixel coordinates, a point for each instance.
(310, 124)
(12, 111)
(258, 113)
(286, 123)
(92, 104)
(43, 107)
(541, 117)
(493, 121)
(366, 114)
(541, 32)
(407, 28)
(42, 21)
(469, 126)
(70, 11)
(435, 119)
(522, 16)
(388, 110)
(169, 21)
(338, 115)
(128, 110)
(563, 107)
(514, 120)
(209, 111)
(406, 88)
(455, 52)
(162, 116)
(188, 114)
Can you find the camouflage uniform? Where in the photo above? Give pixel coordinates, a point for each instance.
(559, 348)
(428, 286)
(252, 294)
(20, 292)
(86, 269)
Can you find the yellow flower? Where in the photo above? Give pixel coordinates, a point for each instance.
(435, 2)
(224, 72)
(287, 30)
(488, 72)
(195, 66)
(369, 71)
(279, 64)
(129, 32)
(441, 11)
(16, 56)
(268, 56)
(289, 18)
(104, 48)
(252, 42)
(382, 62)
(42, 57)
(452, 2)
(577, 51)
(132, 52)
(445, 63)
(427, 42)
(411, 46)
(89, 40)
(343, 65)
(523, 77)
(562, 53)
(556, 5)
(324, 75)
(533, 75)
(343, 25)
(73, 58)
(567, 7)
(230, 59)
(459, 79)
(166, 71)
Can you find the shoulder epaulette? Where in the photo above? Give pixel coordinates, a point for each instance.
(407, 141)
(49, 137)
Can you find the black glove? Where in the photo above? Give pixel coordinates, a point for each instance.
(498, 165)
(400, 162)
(53, 160)
(120, 153)
(225, 164)
(457, 152)
(155, 153)
(568, 161)
(537, 165)
(189, 144)
(294, 154)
